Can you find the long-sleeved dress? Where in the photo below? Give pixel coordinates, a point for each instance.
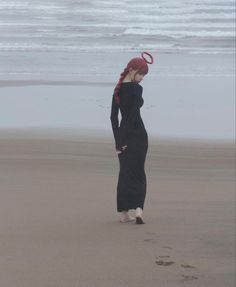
(131, 187)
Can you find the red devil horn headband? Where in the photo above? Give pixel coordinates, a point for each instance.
(150, 61)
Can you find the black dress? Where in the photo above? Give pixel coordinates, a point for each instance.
(131, 187)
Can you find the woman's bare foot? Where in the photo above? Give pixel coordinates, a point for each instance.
(139, 217)
(125, 217)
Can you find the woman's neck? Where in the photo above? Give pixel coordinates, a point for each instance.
(127, 79)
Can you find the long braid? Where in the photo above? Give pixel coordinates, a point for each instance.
(117, 88)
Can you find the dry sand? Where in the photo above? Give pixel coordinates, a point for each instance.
(59, 226)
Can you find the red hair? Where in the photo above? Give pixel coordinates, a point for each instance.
(138, 64)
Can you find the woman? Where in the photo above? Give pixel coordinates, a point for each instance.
(131, 139)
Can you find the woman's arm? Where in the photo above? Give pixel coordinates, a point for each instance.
(133, 114)
(115, 121)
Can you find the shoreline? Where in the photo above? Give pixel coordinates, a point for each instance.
(101, 135)
(38, 82)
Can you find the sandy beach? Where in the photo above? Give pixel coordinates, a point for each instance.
(59, 225)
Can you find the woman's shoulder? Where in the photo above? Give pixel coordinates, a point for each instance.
(133, 85)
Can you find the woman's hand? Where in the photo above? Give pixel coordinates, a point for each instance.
(123, 148)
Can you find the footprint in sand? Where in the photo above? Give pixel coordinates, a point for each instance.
(152, 240)
(187, 266)
(164, 263)
(166, 247)
(188, 278)
(161, 262)
(151, 233)
(151, 237)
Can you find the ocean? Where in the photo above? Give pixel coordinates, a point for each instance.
(166, 25)
(48, 37)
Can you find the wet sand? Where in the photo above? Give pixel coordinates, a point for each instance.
(59, 225)
(183, 94)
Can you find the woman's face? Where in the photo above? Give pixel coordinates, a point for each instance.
(136, 76)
